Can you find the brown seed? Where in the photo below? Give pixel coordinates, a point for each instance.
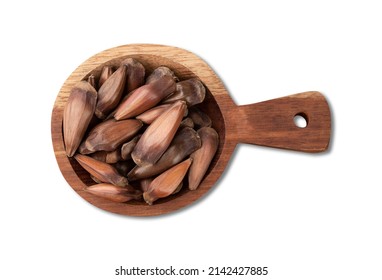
(144, 98)
(110, 92)
(159, 73)
(113, 193)
(150, 115)
(135, 74)
(78, 113)
(158, 136)
(199, 118)
(185, 142)
(109, 135)
(107, 71)
(202, 157)
(166, 183)
(102, 171)
(192, 91)
(128, 147)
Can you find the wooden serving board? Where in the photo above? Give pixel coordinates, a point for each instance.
(269, 123)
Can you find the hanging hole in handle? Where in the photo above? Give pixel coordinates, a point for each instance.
(300, 120)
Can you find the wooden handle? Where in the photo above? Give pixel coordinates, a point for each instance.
(272, 123)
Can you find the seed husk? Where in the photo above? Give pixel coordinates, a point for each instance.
(202, 157)
(102, 171)
(144, 98)
(78, 113)
(185, 142)
(114, 193)
(159, 72)
(158, 136)
(107, 71)
(109, 135)
(166, 183)
(192, 91)
(199, 118)
(135, 74)
(110, 92)
(128, 147)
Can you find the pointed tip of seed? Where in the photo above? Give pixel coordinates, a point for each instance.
(147, 198)
(160, 72)
(138, 161)
(123, 182)
(70, 152)
(193, 187)
(100, 114)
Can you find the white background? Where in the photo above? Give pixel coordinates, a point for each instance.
(303, 216)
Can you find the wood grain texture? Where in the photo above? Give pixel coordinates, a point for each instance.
(271, 123)
(268, 123)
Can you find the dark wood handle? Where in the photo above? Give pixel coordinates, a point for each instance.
(271, 123)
